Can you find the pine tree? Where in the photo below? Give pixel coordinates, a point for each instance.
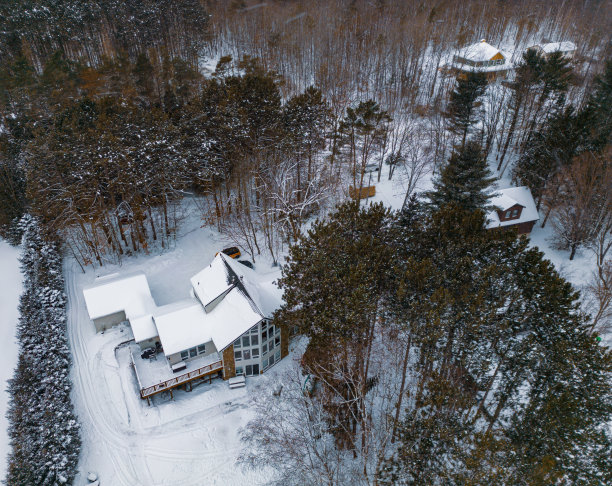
(462, 112)
(463, 181)
(43, 429)
(599, 110)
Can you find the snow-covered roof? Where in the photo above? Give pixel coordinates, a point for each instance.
(115, 293)
(479, 52)
(231, 318)
(511, 196)
(212, 281)
(143, 328)
(563, 46)
(262, 289)
(503, 201)
(249, 297)
(182, 325)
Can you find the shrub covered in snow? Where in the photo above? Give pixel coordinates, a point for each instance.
(43, 428)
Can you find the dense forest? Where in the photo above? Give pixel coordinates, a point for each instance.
(443, 353)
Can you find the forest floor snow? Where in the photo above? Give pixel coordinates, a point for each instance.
(10, 290)
(192, 439)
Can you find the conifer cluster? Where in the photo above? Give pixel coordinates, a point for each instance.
(43, 428)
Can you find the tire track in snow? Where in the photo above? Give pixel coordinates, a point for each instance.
(115, 445)
(122, 436)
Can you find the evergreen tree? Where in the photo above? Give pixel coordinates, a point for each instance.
(599, 110)
(462, 112)
(43, 429)
(463, 181)
(564, 135)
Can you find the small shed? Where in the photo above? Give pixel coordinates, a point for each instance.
(514, 208)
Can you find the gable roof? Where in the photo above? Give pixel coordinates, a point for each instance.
(182, 325)
(511, 196)
(115, 293)
(243, 297)
(480, 51)
(212, 281)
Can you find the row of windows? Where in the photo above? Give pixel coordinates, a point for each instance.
(246, 354)
(248, 370)
(193, 352)
(469, 62)
(512, 214)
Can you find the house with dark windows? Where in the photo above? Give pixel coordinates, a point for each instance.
(514, 209)
(224, 329)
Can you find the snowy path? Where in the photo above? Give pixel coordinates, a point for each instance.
(189, 441)
(10, 289)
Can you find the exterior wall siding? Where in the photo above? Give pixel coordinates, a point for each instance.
(149, 343)
(229, 367)
(284, 344)
(176, 357)
(106, 322)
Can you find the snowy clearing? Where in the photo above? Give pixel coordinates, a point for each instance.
(10, 289)
(190, 440)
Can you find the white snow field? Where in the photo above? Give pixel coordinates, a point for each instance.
(10, 290)
(188, 441)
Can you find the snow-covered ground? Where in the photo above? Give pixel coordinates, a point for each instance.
(190, 440)
(194, 438)
(10, 289)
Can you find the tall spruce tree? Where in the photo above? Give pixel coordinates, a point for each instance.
(599, 110)
(462, 111)
(463, 181)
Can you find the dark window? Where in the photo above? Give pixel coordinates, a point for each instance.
(254, 340)
(249, 370)
(239, 370)
(201, 349)
(508, 214)
(237, 343)
(276, 341)
(515, 213)
(238, 355)
(246, 354)
(271, 361)
(245, 341)
(193, 352)
(184, 354)
(255, 352)
(264, 335)
(255, 369)
(264, 348)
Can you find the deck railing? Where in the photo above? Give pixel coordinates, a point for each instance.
(181, 379)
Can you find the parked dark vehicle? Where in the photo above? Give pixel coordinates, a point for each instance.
(246, 263)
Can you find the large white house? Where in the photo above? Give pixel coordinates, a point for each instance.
(224, 327)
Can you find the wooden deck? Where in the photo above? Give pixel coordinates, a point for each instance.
(181, 379)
